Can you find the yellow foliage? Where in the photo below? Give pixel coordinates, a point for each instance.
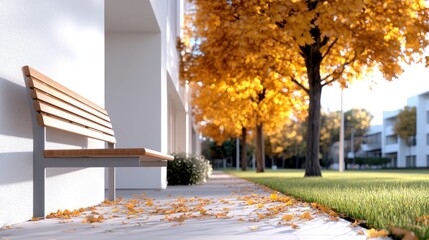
(250, 62)
(372, 233)
(92, 219)
(306, 215)
(287, 217)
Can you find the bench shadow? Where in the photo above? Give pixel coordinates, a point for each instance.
(16, 124)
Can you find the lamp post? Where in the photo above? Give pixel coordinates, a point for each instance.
(341, 149)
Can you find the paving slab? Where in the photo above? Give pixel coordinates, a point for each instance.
(225, 208)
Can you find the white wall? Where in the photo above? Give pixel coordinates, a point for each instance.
(133, 99)
(65, 40)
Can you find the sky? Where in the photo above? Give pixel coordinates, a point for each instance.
(376, 94)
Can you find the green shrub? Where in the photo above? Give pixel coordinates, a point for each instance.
(188, 169)
(371, 161)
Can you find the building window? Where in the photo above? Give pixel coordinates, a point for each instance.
(411, 161)
(412, 141)
(393, 139)
(427, 160)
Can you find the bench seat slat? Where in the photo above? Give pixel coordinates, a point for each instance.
(53, 101)
(31, 72)
(143, 153)
(45, 108)
(66, 99)
(73, 128)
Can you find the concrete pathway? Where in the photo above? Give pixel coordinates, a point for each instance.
(224, 208)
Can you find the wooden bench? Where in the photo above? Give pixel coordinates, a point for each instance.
(56, 106)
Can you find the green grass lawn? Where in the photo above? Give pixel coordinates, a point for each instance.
(383, 198)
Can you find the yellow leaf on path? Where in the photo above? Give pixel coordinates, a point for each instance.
(93, 219)
(372, 233)
(149, 202)
(182, 218)
(294, 226)
(287, 217)
(221, 215)
(306, 215)
(333, 214)
(274, 196)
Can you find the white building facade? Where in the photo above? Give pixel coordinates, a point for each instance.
(141, 38)
(115, 53)
(413, 152)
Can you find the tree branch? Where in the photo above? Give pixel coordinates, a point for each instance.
(300, 85)
(329, 48)
(339, 73)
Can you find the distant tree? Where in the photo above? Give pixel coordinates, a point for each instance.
(329, 133)
(405, 125)
(356, 122)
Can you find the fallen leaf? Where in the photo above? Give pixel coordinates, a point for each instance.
(7, 227)
(423, 219)
(372, 233)
(287, 217)
(294, 226)
(93, 219)
(306, 215)
(253, 228)
(357, 222)
(406, 235)
(274, 197)
(333, 214)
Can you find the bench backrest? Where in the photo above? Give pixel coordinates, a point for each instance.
(61, 108)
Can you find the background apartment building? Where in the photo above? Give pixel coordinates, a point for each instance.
(413, 152)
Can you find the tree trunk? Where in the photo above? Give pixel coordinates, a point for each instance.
(259, 149)
(243, 149)
(312, 165)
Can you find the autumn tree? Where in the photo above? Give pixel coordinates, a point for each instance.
(405, 125)
(221, 116)
(312, 43)
(287, 141)
(245, 79)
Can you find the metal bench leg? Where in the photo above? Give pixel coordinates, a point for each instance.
(111, 183)
(39, 178)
